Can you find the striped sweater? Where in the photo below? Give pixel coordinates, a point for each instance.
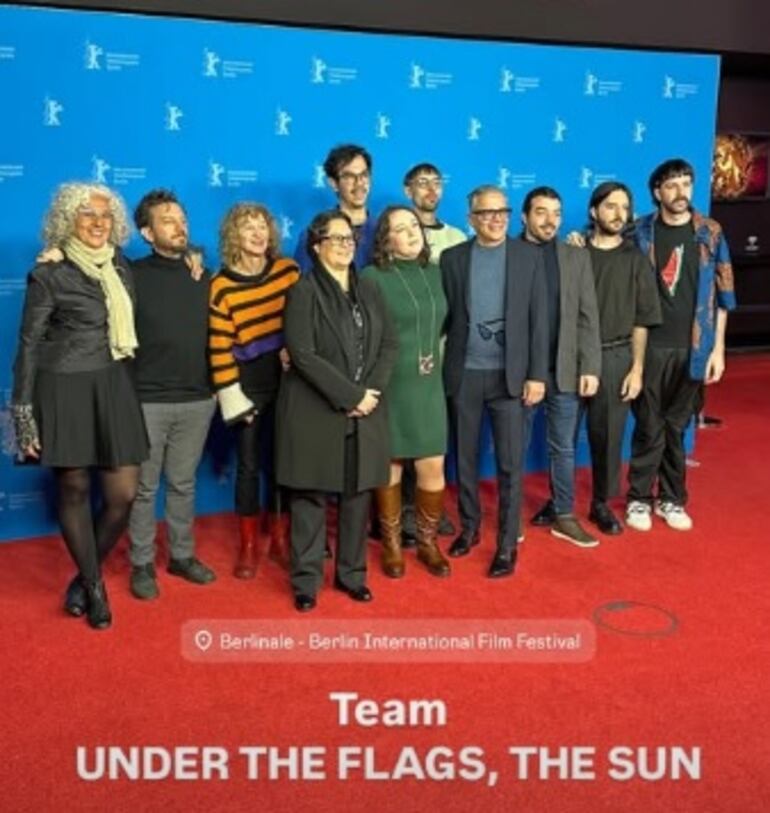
(245, 322)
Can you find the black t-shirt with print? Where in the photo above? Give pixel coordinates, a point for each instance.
(676, 266)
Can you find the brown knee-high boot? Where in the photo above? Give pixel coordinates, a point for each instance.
(389, 510)
(246, 566)
(428, 506)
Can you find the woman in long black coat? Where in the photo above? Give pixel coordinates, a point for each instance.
(332, 424)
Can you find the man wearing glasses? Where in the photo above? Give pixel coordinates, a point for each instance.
(348, 169)
(496, 359)
(424, 186)
(574, 355)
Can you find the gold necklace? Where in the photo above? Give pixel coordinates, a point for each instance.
(425, 361)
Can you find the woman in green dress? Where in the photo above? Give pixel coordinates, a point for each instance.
(411, 286)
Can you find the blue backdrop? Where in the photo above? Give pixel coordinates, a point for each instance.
(223, 112)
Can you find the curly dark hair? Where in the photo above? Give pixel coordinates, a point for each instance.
(341, 155)
(155, 197)
(319, 228)
(381, 255)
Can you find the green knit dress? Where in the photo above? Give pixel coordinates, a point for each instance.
(415, 395)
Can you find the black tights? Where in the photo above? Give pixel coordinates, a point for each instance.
(90, 541)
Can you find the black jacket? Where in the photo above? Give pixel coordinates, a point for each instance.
(64, 324)
(318, 390)
(526, 315)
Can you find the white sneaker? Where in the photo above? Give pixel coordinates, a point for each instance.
(639, 516)
(675, 515)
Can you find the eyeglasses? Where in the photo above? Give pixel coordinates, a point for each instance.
(90, 214)
(485, 215)
(340, 239)
(353, 178)
(428, 183)
(487, 333)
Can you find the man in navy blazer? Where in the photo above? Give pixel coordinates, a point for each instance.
(496, 358)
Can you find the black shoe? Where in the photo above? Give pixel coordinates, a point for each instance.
(463, 544)
(304, 603)
(446, 526)
(99, 615)
(545, 516)
(192, 570)
(408, 527)
(143, 584)
(604, 519)
(503, 564)
(75, 600)
(362, 593)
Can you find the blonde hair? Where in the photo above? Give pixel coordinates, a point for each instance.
(59, 221)
(228, 232)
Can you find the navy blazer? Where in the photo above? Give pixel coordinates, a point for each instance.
(526, 314)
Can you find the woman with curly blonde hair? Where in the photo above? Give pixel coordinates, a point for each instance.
(74, 403)
(246, 353)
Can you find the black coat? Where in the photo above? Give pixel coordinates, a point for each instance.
(64, 324)
(526, 315)
(318, 390)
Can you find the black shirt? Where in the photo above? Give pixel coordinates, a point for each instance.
(553, 288)
(625, 291)
(676, 261)
(172, 329)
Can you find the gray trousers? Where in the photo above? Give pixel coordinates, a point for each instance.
(177, 435)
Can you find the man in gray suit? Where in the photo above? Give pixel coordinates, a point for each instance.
(495, 359)
(574, 355)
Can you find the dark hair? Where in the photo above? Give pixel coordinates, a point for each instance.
(419, 169)
(601, 193)
(380, 251)
(155, 197)
(672, 168)
(538, 192)
(341, 155)
(319, 228)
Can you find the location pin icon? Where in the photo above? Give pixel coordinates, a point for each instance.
(203, 639)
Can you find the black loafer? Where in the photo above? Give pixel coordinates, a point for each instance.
(463, 544)
(304, 603)
(362, 593)
(545, 516)
(75, 601)
(502, 565)
(604, 519)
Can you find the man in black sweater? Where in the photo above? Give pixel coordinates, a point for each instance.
(172, 381)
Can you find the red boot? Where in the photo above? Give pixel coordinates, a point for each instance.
(246, 566)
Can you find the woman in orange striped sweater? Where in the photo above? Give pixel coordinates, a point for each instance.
(246, 353)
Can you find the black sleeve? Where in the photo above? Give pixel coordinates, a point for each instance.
(38, 306)
(648, 313)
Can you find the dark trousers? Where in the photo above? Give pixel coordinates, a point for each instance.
(607, 414)
(480, 390)
(308, 532)
(253, 446)
(662, 411)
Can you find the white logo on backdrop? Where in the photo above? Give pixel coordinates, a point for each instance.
(7, 52)
(99, 169)
(52, 110)
(219, 175)
(174, 115)
(420, 78)
(215, 66)
(678, 90)
(287, 224)
(8, 171)
(559, 129)
(319, 177)
(506, 80)
(596, 86)
(282, 122)
(512, 83)
(640, 128)
(321, 73)
(113, 60)
(382, 126)
(507, 179)
(121, 175)
(474, 128)
(588, 178)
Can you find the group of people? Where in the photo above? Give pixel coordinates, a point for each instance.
(343, 371)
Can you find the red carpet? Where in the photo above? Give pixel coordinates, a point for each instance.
(702, 686)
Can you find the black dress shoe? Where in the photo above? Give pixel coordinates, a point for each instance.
(99, 615)
(304, 603)
(362, 593)
(502, 565)
(545, 516)
(463, 544)
(604, 519)
(75, 601)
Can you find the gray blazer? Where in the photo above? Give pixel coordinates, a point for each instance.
(580, 350)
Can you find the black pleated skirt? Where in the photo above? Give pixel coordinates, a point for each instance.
(90, 418)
